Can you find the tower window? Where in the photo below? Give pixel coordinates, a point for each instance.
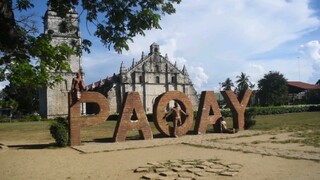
(157, 79)
(63, 27)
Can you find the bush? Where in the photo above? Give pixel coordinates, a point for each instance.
(59, 131)
(249, 114)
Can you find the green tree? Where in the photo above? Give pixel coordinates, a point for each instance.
(25, 97)
(116, 21)
(243, 84)
(27, 58)
(227, 84)
(273, 89)
(313, 96)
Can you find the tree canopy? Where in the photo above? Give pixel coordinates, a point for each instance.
(27, 59)
(116, 21)
(273, 89)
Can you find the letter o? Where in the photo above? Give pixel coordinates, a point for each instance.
(159, 112)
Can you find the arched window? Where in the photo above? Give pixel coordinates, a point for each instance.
(157, 79)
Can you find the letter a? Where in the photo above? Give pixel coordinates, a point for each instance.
(208, 112)
(132, 106)
(237, 109)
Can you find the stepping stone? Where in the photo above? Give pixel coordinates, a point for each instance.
(206, 163)
(185, 166)
(141, 169)
(201, 174)
(215, 170)
(228, 173)
(175, 164)
(168, 173)
(186, 175)
(151, 176)
(178, 169)
(201, 166)
(193, 170)
(161, 170)
(190, 162)
(181, 178)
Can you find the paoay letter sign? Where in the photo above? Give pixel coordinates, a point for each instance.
(208, 113)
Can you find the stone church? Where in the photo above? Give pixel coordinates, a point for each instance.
(151, 76)
(53, 102)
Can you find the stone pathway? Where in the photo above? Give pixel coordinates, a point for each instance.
(187, 169)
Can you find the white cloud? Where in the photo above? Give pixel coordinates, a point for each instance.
(311, 55)
(312, 50)
(199, 76)
(216, 38)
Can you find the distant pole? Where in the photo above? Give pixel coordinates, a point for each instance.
(299, 66)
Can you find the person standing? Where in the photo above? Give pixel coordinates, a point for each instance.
(176, 112)
(77, 86)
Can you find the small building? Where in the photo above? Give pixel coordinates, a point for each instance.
(297, 90)
(151, 76)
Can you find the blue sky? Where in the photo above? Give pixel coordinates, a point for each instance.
(218, 39)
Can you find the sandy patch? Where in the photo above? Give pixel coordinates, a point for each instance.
(67, 163)
(23, 160)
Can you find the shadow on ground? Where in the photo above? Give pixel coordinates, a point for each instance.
(34, 146)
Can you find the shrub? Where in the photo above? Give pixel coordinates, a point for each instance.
(249, 114)
(59, 131)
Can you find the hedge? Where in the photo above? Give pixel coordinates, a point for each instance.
(274, 110)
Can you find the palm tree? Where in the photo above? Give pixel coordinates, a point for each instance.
(227, 85)
(243, 84)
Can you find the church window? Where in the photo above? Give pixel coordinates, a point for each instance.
(157, 79)
(140, 79)
(173, 79)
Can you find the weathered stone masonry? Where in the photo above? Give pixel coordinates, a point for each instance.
(152, 75)
(53, 102)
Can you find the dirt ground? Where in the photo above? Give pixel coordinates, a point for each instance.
(41, 161)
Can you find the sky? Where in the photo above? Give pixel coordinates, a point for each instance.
(219, 39)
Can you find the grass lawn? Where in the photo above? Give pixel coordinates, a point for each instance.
(306, 124)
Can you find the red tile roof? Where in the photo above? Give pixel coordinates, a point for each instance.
(303, 85)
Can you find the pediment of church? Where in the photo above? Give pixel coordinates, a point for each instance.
(154, 62)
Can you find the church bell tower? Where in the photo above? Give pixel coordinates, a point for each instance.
(53, 102)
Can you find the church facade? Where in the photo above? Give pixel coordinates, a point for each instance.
(151, 76)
